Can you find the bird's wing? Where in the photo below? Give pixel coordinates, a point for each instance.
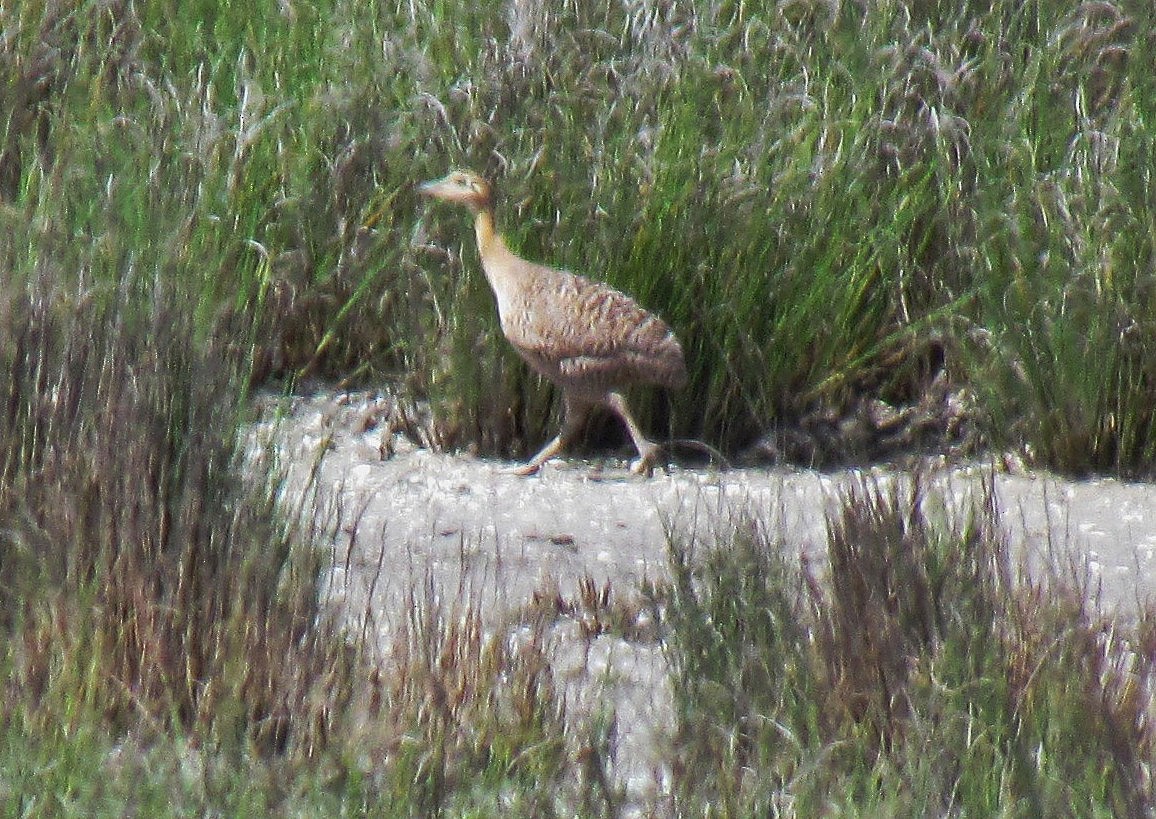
(589, 328)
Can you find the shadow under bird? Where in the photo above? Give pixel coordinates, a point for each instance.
(586, 337)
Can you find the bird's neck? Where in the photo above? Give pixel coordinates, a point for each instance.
(489, 240)
(500, 265)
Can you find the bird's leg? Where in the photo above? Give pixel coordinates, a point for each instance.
(574, 413)
(648, 451)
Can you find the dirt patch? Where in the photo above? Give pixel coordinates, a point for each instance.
(577, 542)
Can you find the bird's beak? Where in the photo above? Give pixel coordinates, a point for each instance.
(434, 187)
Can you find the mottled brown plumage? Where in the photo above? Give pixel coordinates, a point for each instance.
(588, 338)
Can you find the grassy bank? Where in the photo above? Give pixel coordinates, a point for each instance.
(830, 202)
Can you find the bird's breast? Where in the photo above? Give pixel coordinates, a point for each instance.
(513, 312)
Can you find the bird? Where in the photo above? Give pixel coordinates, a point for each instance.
(584, 336)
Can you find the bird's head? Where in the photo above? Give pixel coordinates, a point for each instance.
(465, 187)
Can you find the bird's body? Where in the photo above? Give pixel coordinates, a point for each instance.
(586, 337)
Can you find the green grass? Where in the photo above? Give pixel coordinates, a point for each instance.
(825, 202)
(927, 676)
(828, 201)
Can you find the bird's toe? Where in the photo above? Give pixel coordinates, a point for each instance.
(644, 465)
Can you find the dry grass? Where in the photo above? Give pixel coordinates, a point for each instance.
(459, 717)
(147, 590)
(929, 676)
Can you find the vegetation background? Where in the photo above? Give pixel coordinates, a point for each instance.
(831, 202)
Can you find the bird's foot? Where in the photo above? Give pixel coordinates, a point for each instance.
(645, 463)
(526, 470)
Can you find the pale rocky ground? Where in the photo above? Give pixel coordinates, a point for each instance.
(478, 530)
